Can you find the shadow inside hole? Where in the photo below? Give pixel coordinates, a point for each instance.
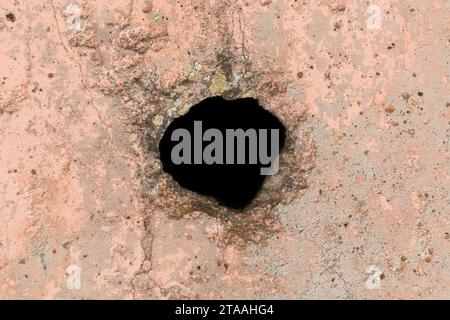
(203, 163)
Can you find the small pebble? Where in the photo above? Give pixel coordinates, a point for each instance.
(406, 95)
(389, 108)
(148, 6)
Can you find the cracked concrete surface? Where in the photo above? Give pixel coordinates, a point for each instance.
(360, 208)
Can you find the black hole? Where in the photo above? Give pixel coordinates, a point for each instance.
(232, 182)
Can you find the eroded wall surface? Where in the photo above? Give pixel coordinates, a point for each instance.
(360, 208)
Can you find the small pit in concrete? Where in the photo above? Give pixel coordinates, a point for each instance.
(223, 149)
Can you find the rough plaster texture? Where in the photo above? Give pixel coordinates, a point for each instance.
(360, 208)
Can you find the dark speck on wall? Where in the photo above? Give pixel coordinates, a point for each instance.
(11, 17)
